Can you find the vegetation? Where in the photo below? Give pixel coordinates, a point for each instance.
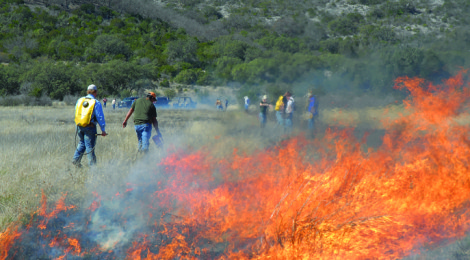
(55, 48)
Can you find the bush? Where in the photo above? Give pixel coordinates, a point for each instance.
(87, 8)
(170, 93)
(25, 100)
(187, 77)
(106, 45)
(165, 83)
(346, 25)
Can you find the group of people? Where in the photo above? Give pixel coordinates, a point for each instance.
(219, 106)
(285, 108)
(105, 100)
(89, 114)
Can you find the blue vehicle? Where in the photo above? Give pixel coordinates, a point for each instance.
(185, 102)
(162, 102)
(127, 102)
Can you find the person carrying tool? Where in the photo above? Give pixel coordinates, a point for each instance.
(88, 112)
(145, 116)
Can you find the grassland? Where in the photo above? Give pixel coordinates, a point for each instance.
(38, 143)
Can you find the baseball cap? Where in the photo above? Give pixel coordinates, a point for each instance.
(92, 87)
(152, 94)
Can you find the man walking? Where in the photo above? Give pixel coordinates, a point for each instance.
(88, 112)
(104, 102)
(145, 116)
(114, 103)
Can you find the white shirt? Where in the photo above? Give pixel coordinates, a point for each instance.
(290, 105)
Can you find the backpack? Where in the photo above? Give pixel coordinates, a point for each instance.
(279, 104)
(84, 111)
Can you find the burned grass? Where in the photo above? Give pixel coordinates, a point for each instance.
(226, 189)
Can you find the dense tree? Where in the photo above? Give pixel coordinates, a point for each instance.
(125, 45)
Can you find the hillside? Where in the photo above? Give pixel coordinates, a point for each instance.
(53, 48)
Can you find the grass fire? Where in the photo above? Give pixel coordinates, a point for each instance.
(330, 197)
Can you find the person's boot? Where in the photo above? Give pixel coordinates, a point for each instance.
(77, 164)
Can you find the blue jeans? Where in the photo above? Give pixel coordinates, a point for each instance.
(87, 143)
(144, 132)
(262, 119)
(280, 120)
(311, 123)
(289, 123)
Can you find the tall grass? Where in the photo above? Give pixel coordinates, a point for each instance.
(37, 145)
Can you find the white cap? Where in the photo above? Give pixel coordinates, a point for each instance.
(265, 97)
(92, 87)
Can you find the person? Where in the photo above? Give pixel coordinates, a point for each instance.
(289, 114)
(88, 112)
(285, 99)
(247, 103)
(226, 104)
(279, 108)
(114, 103)
(145, 116)
(218, 104)
(263, 106)
(104, 102)
(312, 111)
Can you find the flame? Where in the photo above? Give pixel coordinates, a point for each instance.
(7, 239)
(328, 198)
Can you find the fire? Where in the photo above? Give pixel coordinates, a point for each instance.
(303, 199)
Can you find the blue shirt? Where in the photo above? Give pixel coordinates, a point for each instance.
(311, 104)
(98, 115)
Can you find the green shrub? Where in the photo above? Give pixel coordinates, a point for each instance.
(188, 77)
(170, 93)
(165, 83)
(87, 8)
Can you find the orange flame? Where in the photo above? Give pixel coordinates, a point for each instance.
(328, 198)
(7, 239)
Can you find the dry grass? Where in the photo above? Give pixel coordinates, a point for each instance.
(38, 144)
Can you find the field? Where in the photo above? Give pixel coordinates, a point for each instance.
(38, 143)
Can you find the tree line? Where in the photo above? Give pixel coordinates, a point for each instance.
(124, 46)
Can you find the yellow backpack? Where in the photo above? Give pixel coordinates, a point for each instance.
(84, 111)
(279, 104)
